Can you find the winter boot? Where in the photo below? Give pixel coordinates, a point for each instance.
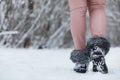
(81, 68)
(98, 47)
(81, 59)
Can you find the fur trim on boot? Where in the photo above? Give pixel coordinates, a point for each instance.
(81, 57)
(100, 42)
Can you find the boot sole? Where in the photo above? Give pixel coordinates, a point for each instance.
(100, 64)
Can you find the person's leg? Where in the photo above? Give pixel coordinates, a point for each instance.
(97, 17)
(78, 10)
(79, 56)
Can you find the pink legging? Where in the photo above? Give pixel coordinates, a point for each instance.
(78, 9)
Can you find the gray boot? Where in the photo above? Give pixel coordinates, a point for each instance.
(98, 47)
(81, 59)
(81, 68)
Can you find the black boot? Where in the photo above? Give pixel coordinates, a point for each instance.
(98, 47)
(81, 59)
(95, 67)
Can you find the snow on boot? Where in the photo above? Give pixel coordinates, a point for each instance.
(81, 59)
(98, 47)
(99, 64)
(81, 68)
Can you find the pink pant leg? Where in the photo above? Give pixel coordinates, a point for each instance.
(97, 17)
(78, 10)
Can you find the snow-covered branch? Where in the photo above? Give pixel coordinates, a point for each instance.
(8, 32)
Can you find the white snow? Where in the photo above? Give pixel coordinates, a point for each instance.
(8, 32)
(21, 64)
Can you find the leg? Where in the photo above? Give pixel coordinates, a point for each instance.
(78, 10)
(97, 17)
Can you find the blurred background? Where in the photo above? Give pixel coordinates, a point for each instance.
(43, 24)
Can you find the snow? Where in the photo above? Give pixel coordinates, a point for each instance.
(8, 32)
(28, 64)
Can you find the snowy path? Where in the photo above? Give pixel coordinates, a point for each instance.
(20, 64)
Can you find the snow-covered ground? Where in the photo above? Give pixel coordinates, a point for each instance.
(21, 64)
